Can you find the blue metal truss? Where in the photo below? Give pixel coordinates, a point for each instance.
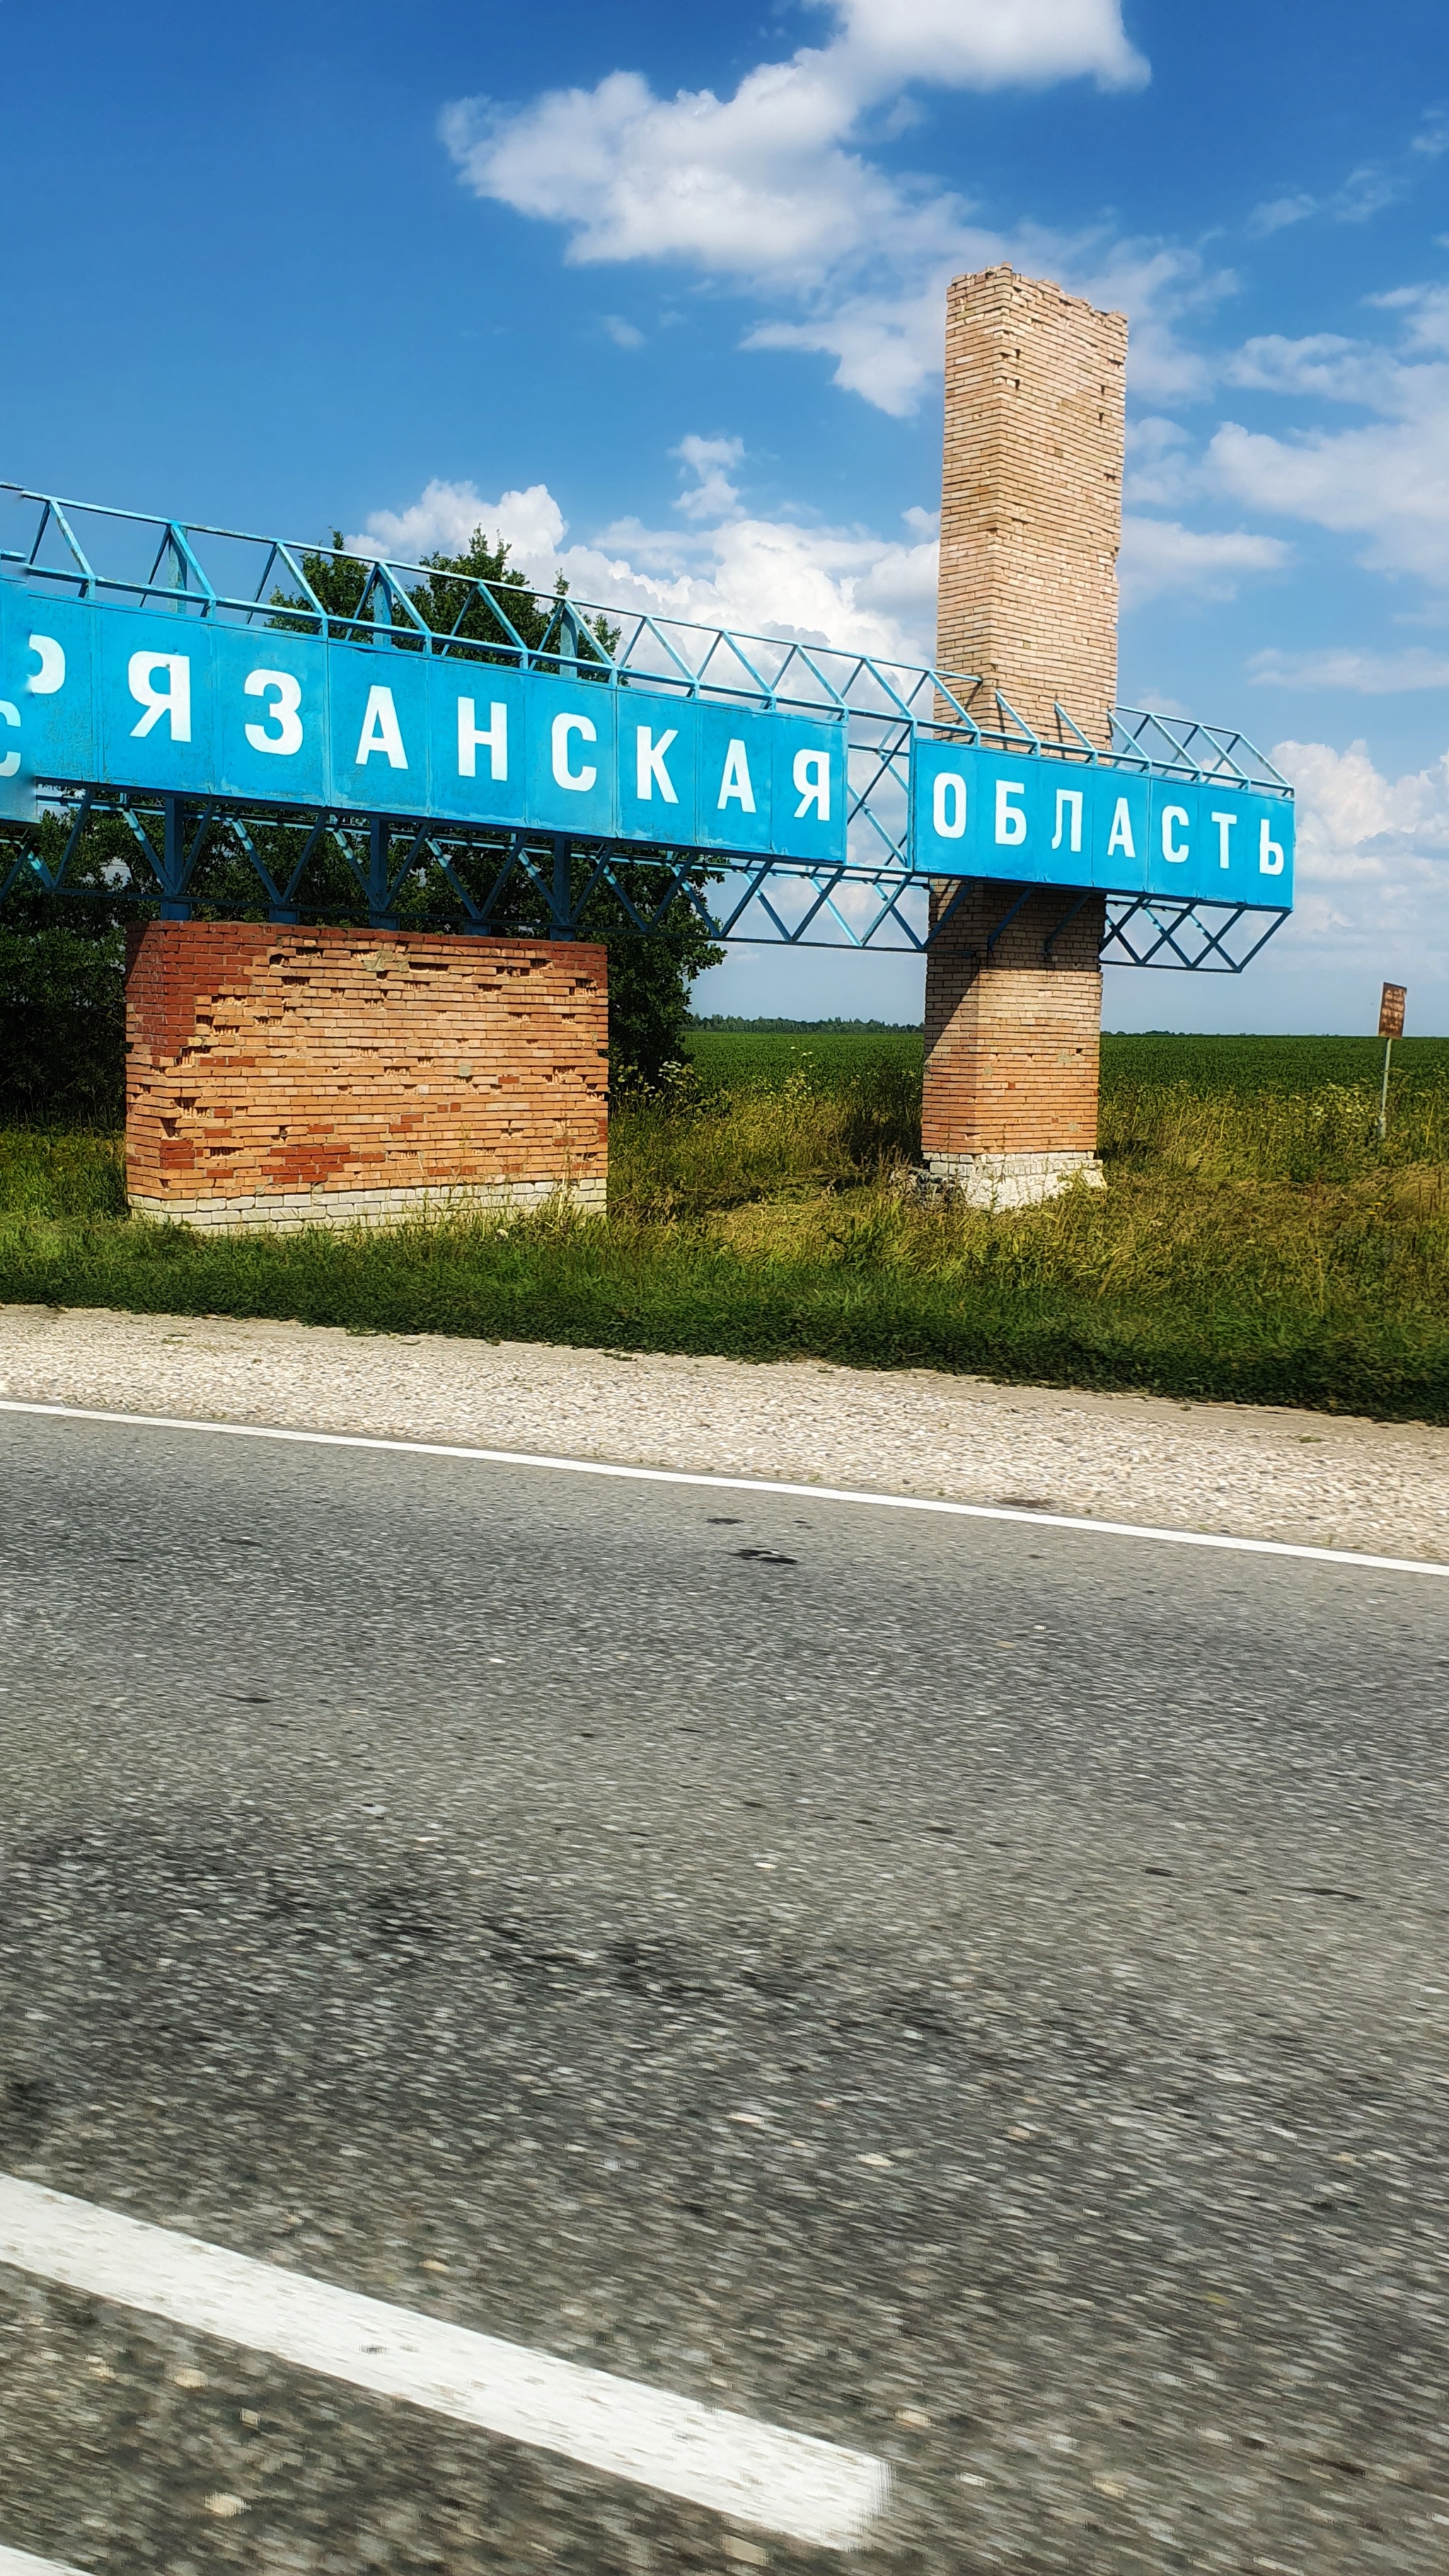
(875, 900)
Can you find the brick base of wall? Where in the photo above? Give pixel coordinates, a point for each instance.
(279, 1077)
(1009, 1111)
(283, 1213)
(1002, 1181)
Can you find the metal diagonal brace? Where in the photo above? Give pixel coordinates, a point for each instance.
(28, 861)
(319, 826)
(1007, 919)
(174, 868)
(380, 914)
(438, 853)
(1064, 718)
(1275, 924)
(514, 864)
(560, 902)
(935, 928)
(1050, 941)
(1143, 908)
(277, 908)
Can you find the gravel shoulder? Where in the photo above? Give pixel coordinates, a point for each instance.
(1250, 1471)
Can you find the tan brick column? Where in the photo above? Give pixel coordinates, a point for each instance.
(284, 1077)
(1031, 518)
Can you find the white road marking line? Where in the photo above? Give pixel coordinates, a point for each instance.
(740, 1485)
(786, 2483)
(18, 2562)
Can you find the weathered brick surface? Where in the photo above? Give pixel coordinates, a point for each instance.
(1011, 1049)
(279, 1075)
(1031, 512)
(1030, 527)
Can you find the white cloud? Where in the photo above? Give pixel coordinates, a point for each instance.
(711, 495)
(763, 182)
(984, 44)
(1354, 821)
(1388, 483)
(1385, 480)
(770, 190)
(625, 335)
(885, 346)
(1277, 212)
(755, 185)
(1347, 666)
(1157, 285)
(1371, 863)
(1325, 365)
(1365, 192)
(445, 516)
(1160, 471)
(850, 587)
(1426, 314)
(886, 340)
(1160, 556)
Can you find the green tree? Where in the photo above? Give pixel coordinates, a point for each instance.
(650, 974)
(62, 968)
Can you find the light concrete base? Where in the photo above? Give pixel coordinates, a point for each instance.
(1003, 1181)
(288, 1212)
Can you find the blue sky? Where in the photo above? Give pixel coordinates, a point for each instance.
(659, 292)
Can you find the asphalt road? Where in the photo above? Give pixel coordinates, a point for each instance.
(973, 1992)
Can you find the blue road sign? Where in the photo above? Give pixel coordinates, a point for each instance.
(163, 701)
(1038, 819)
(156, 665)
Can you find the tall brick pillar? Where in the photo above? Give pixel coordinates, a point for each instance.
(1031, 521)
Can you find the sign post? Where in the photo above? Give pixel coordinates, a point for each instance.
(1391, 1026)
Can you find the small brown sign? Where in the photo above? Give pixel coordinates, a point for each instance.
(1391, 1010)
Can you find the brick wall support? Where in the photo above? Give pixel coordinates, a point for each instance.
(1030, 529)
(283, 1077)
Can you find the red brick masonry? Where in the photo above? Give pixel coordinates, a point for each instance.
(1031, 491)
(286, 1077)
(1010, 1097)
(1030, 525)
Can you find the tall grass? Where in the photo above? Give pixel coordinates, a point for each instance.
(45, 1174)
(1251, 1243)
(699, 1145)
(1326, 1134)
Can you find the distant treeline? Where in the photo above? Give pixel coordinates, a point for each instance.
(721, 1022)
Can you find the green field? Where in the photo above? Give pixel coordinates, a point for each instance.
(1254, 1242)
(828, 1057)
(1273, 1064)
(727, 1058)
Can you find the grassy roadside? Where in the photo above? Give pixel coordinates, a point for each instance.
(1253, 1244)
(859, 1286)
(1254, 1240)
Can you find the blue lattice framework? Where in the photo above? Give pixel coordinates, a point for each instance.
(874, 893)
